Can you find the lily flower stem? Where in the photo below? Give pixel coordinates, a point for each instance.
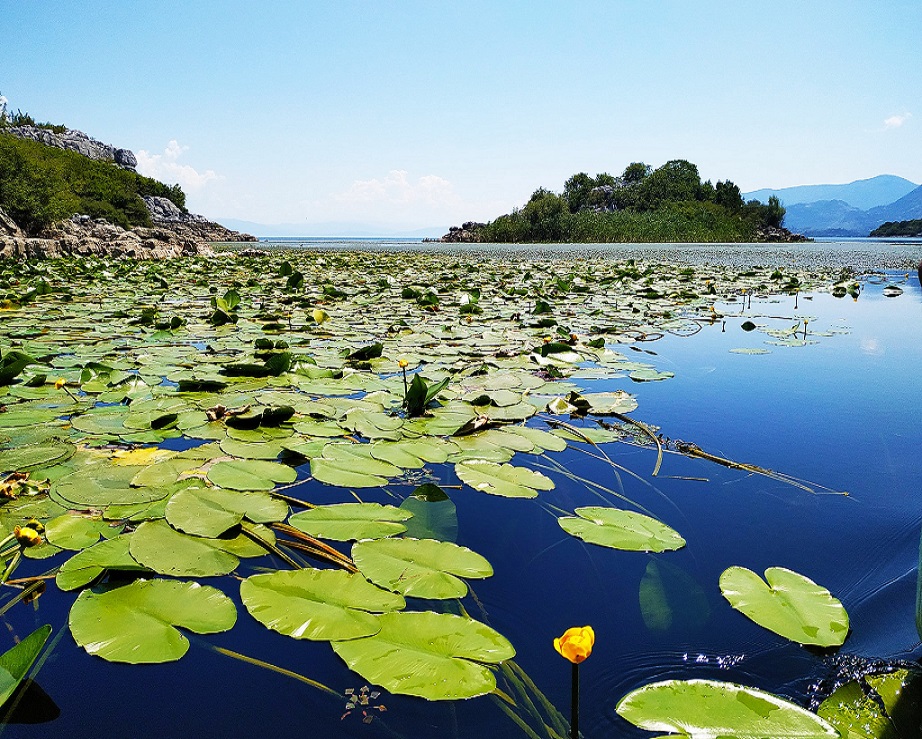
(574, 704)
(406, 387)
(13, 564)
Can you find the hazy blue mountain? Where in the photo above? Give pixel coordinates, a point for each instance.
(828, 218)
(863, 194)
(907, 208)
(838, 218)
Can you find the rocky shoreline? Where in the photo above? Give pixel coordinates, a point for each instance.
(80, 235)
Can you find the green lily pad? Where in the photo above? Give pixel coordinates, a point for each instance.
(16, 661)
(423, 568)
(317, 604)
(708, 709)
(437, 656)
(77, 532)
(856, 715)
(210, 512)
(159, 547)
(351, 521)
(86, 566)
(26, 458)
(137, 623)
(619, 529)
(250, 474)
(502, 479)
(351, 465)
(789, 604)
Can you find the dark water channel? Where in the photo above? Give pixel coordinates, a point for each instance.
(842, 414)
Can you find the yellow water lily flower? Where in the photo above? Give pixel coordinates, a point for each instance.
(576, 643)
(59, 383)
(27, 536)
(402, 363)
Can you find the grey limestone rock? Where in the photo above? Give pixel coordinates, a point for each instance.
(77, 141)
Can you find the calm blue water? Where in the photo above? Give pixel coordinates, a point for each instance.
(843, 414)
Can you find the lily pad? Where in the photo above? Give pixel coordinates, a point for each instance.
(502, 479)
(137, 623)
(16, 661)
(707, 709)
(351, 521)
(86, 566)
(210, 512)
(437, 656)
(250, 474)
(317, 604)
(619, 529)
(26, 458)
(789, 604)
(159, 547)
(423, 568)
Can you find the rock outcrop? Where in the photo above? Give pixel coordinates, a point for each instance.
(8, 227)
(467, 233)
(166, 215)
(77, 141)
(774, 235)
(85, 236)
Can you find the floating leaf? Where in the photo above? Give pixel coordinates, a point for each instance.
(210, 512)
(159, 547)
(16, 661)
(86, 566)
(435, 656)
(423, 568)
(708, 709)
(76, 532)
(137, 623)
(505, 479)
(351, 465)
(30, 457)
(790, 604)
(317, 604)
(351, 521)
(619, 529)
(250, 474)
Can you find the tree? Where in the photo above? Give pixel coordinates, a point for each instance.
(728, 195)
(676, 181)
(636, 172)
(774, 212)
(576, 191)
(546, 215)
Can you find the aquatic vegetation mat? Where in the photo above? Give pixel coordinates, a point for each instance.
(231, 418)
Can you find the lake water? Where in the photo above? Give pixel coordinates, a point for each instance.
(843, 414)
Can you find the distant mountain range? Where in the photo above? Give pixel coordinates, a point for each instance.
(331, 229)
(854, 209)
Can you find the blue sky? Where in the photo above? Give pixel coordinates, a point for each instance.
(404, 115)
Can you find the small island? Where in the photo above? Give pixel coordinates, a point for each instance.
(911, 229)
(669, 204)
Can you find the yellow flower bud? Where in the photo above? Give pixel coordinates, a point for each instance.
(403, 363)
(59, 383)
(576, 643)
(27, 537)
(34, 523)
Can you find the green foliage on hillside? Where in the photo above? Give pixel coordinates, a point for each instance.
(41, 184)
(899, 228)
(668, 204)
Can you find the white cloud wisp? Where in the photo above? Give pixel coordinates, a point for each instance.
(167, 168)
